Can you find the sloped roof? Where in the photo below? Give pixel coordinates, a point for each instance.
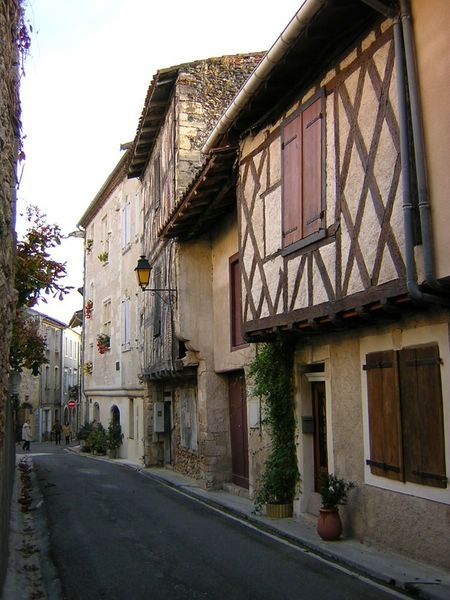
(313, 41)
(312, 45)
(155, 108)
(160, 92)
(209, 196)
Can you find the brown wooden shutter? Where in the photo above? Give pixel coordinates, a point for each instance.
(312, 168)
(422, 416)
(384, 415)
(292, 178)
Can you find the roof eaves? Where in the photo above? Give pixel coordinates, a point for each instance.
(114, 178)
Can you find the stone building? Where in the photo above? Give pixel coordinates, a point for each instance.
(10, 19)
(343, 147)
(43, 398)
(186, 418)
(112, 390)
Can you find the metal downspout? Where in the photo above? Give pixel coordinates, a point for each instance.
(404, 55)
(419, 147)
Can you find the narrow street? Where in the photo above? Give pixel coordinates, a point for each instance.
(118, 534)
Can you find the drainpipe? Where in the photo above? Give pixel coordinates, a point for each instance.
(406, 69)
(419, 147)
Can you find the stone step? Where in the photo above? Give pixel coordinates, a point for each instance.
(237, 490)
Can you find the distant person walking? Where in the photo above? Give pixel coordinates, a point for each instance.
(67, 432)
(57, 432)
(26, 435)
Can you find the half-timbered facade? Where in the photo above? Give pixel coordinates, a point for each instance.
(343, 244)
(187, 407)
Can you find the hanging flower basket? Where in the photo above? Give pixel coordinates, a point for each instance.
(87, 368)
(74, 392)
(88, 309)
(103, 343)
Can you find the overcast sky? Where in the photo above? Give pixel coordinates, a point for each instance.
(85, 82)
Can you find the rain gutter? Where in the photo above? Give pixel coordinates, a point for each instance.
(298, 23)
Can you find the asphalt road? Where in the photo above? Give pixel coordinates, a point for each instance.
(118, 534)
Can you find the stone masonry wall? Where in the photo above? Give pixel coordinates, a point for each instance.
(9, 133)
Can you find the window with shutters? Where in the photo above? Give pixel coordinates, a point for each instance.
(157, 307)
(126, 325)
(107, 317)
(303, 215)
(236, 304)
(406, 422)
(126, 224)
(157, 182)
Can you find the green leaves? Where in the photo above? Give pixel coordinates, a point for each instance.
(36, 271)
(28, 346)
(36, 274)
(272, 373)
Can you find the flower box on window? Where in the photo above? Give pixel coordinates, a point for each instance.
(87, 368)
(88, 309)
(103, 343)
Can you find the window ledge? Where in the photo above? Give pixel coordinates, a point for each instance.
(307, 241)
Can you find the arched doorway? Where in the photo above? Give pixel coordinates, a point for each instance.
(114, 433)
(115, 415)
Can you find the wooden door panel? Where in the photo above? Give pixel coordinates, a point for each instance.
(238, 430)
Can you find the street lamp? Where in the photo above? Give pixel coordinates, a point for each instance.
(143, 271)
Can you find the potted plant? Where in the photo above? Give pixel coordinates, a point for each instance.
(114, 439)
(73, 392)
(87, 368)
(271, 371)
(88, 308)
(334, 492)
(89, 244)
(103, 342)
(103, 257)
(83, 435)
(97, 439)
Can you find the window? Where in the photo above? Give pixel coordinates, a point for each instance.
(157, 308)
(157, 182)
(126, 224)
(137, 215)
(57, 340)
(126, 337)
(406, 423)
(235, 303)
(105, 235)
(302, 175)
(107, 317)
(131, 418)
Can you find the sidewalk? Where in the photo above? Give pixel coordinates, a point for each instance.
(417, 579)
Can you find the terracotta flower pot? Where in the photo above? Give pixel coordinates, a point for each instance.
(329, 524)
